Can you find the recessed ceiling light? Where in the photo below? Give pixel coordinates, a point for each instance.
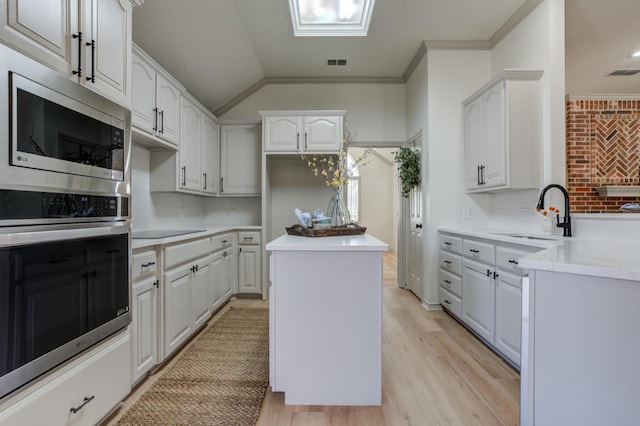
(331, 17)
(636, 54)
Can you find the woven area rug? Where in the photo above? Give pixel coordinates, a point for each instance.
(219, 380)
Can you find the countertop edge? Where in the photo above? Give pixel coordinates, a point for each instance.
(338, 243)
(139, 243)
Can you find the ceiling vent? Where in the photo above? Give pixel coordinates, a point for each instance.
(625, 72)
(335, 62)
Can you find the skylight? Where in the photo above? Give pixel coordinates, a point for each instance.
(326, 18)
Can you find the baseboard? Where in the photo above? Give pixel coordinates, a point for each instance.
(431, 306)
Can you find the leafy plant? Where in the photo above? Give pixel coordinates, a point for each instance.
(408, 161)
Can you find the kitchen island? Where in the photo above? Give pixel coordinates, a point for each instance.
(581, 334)
(325, 328)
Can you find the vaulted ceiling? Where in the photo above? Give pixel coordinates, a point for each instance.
(219, 49)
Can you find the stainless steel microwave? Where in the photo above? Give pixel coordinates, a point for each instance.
(62, 137)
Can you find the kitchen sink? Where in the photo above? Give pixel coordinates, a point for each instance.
(527, 236)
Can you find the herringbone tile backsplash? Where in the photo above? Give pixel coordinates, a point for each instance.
(603, 148)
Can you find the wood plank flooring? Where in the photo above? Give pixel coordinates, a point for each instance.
(435, 372)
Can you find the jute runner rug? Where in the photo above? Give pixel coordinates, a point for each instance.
(219, 380)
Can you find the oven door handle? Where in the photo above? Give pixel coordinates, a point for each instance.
(23, 235)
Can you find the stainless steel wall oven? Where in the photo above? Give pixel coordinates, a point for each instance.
(65, 229)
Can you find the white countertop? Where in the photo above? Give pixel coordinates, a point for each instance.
(573, 255)
(137, 243)
(342, 243)
(598, 258)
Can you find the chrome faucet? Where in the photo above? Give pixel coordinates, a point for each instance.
(566, 225)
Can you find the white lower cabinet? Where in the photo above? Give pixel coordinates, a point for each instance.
(178, 311)
(478, 301)
(483, 288)
(249, 262)
(144, 327)
(202, 284)
(217, 279)
(229, 268)
(80, 393)
(509, 315)
(144, 313)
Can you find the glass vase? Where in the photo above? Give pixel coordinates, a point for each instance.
(337, 210)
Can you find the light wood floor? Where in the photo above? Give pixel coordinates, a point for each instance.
(435, 372)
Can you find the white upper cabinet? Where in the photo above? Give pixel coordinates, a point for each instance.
(503, 133)
(210, 154)
(191, 145)
(155, 103)
(240, 159)
(302, 131)
(88, 41)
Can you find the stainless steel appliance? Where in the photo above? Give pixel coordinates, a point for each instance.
(57, 135)
(65, 229)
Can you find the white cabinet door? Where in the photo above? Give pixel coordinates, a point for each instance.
(230, 283)
(178, 310)
(282, 133)
(42, 29)
(474, 142)
(201, 292)
(217, 280)
(509, 315)
(240, 159)
(143, 95)
(210, 155)
(322, 134)
(478, 298)
(168, 110)
(494, 136)
(144, 327)
(107, 48)
(249, 271)
(190, 145)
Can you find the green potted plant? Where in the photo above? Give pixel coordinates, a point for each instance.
(408, 161)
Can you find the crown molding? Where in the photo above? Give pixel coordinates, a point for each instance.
(515, 19)
(334, 80)
(413, 64)
(241, 97)
(457, 45)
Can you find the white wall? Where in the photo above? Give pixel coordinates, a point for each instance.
(375, 112)
(378, 193)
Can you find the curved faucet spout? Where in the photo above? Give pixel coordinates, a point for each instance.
(566, 224)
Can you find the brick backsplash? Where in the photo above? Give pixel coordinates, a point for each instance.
(603, 148)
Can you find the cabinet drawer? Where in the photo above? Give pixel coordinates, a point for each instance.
(449, 243)
(451, 302)
(451, 282)
(507, 259)
(451, 262)
(181, 253)
(143, 264)
(102, 377)
(483, 252)
(249, 237)
(222, 241)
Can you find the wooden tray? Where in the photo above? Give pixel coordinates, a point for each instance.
(335, 231)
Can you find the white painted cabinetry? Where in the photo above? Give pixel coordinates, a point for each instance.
(302, 131)
(155, 103)
(249, 262)
(144, 313)
(450, 273)
(89, 41)
(81, 392)
(503, 133)
(480, 284)
(240, 159)
(190, 158)
(210, 154)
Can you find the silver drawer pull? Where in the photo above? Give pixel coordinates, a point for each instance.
(248, 238)
(515, 262)
(84, 402)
